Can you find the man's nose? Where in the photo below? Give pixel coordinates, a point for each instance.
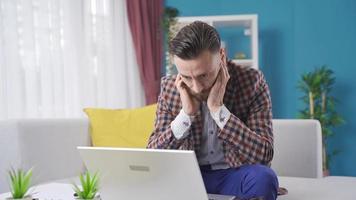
(197, 87)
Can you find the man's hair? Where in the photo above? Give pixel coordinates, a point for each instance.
(193, 39)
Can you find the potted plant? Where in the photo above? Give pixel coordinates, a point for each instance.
(20, 182)
(170, 29)
(89, 187)
(320, 105)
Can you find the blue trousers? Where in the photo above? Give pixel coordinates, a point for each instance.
(245, 182)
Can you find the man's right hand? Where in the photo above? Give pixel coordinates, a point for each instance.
(190, 104)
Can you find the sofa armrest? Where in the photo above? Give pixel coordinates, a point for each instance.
(297, 148)
(9, 150)
(47, 145)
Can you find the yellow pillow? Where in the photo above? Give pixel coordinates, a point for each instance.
(121, 127)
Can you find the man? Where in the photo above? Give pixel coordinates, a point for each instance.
(221, 111)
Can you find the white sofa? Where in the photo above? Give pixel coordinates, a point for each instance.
(49, 145)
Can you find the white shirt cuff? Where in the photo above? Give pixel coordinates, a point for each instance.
(181, 124)
(221, 116)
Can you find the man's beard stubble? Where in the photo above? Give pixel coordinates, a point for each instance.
(203, 96)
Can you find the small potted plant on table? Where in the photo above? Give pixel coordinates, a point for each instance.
(20, 182)
(89, 187)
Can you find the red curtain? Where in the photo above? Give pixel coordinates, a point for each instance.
(145, 24)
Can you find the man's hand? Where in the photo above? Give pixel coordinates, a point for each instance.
(216, 95)
(190, 104)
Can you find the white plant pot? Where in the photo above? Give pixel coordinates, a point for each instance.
(25, 198)
(95, 198)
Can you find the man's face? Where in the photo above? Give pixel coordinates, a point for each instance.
(199, 74)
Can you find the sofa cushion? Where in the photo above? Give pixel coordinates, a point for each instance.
(121, 127)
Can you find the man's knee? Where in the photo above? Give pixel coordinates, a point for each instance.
(263, 179)
(264, 174)
(251, 181)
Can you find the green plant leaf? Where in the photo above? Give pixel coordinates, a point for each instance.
(20, 182)
(89, 185)
(320, 82)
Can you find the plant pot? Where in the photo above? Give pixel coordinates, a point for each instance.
(24, 198)
(96, 198)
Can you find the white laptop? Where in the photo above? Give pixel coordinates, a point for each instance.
(147, 174)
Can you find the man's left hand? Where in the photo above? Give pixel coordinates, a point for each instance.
(216, 95)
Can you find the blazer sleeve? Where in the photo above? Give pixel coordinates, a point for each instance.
(253, 140)
(162, 136)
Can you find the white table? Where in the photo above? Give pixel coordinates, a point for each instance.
(329, 188)
(53, 191)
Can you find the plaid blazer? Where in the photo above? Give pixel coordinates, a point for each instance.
(247, 137)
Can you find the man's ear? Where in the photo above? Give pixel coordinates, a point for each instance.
(223, 56)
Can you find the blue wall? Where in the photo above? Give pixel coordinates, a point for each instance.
(296, 36)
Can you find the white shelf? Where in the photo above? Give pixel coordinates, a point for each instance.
(249, 22)
(222, 20)
(243, 62)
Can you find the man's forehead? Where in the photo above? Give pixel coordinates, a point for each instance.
(199, 66)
